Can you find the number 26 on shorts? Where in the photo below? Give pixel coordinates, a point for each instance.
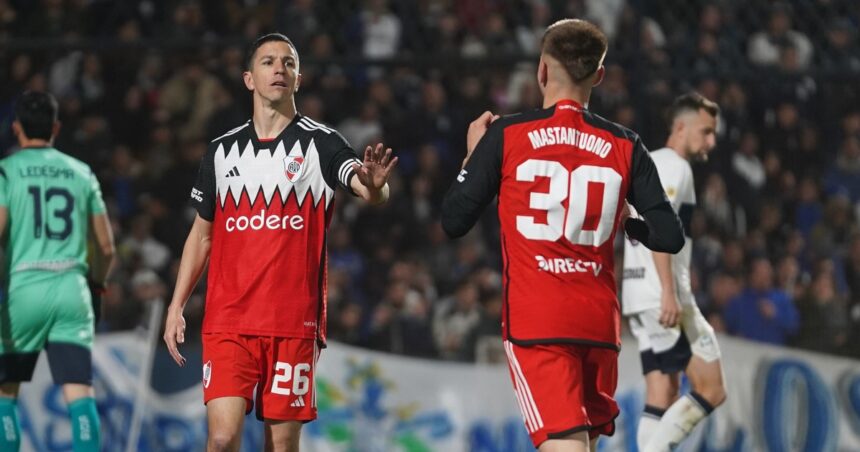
(284, 373)
(581, 187)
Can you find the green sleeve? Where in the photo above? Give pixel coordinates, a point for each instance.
(4, 180)
(96, 202)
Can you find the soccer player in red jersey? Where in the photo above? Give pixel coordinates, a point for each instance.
(264, 198)
(562, 175)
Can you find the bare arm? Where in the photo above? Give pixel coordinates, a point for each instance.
(4, 220)
(101, 237)
(670, 310)
(195, 255)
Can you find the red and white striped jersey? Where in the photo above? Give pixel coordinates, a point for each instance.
(270, 203)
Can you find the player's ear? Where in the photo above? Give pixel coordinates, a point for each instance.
(18, 130)
(55, 130)
(298, 82)
(601, 71)
(249, 81)
(679, 124)
(542, 74)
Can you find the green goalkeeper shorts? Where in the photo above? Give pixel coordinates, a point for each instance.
(44, 308)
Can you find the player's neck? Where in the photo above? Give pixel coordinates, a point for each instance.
(269, 120)
(34, 143)
(674, 143)
(555, 92)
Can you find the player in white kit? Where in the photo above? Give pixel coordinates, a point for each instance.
(657, 298)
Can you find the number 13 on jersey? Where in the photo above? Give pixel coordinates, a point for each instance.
(586, 189)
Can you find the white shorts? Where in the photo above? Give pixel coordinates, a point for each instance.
(669, 349)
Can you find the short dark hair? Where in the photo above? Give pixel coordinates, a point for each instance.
(37, 112)
(249, 57)
(692, 101)
(577, 44)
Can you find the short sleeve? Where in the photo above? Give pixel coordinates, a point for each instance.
(677, 183)
(203, 191)
(645, 190)
(96, 200)
(336, 158)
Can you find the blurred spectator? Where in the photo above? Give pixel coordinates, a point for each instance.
(808, 211)
(723, 289)
(824, 324)
(379, 29)
(833, 233)
(843, 178)
(762, 312)
(765, 46)
(346, 325)
(189, 99)
(400, 323)
(454, 321)
(486, 336)
(719, 211)
(747, 163)
(153, 254)
(364, 129)
(841, 47)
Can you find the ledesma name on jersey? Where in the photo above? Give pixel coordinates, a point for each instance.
(568, 135)
(567, 265)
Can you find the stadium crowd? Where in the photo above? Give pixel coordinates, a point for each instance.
(144, 86)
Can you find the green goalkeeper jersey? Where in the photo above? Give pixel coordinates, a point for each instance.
(50, 197)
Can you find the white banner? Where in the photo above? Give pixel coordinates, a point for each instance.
(778, 400)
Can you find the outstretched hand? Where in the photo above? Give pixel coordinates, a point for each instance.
(376, 168)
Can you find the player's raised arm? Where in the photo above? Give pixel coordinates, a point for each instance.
(478, 181)
(371, 177)
(661, 228)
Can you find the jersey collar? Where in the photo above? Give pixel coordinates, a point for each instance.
(576, 105)
(266, 142)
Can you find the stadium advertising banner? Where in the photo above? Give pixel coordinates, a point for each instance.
(779, 400)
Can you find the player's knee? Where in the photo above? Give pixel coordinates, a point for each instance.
(283, 447)
(714, 393)
(223, 441)
(285, 438)
(717, 395)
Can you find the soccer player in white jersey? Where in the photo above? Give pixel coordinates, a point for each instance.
(657, 298)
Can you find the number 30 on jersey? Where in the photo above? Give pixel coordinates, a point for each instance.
(581, 187)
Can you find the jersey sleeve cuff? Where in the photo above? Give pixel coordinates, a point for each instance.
(346, 173)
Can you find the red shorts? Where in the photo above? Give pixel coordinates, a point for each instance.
(282, 369)
(563, 389)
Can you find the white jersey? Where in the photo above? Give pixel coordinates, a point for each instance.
(641, 285)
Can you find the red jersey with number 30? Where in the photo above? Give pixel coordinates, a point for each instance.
(562, 175)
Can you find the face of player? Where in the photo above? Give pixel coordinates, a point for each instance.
(700, 134)
(274, 75)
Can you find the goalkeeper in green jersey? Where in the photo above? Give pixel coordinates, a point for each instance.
(50, 208)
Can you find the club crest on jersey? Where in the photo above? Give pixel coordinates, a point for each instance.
(207, 373)
(293, 167)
